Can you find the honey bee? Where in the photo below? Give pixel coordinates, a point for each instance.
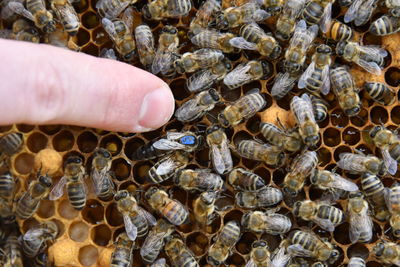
(35, 11)
(265, 197)
(387, 253)
(145, 45)
(324, 215)
(9, 145)
(254, 150)
(224, 242)
(325, 180)
(7, 191)
(279, 257)
(392, 197)
(316, 77)
(387, 24)
(283, 83)
(198, 106)
(360, 163)
(22, 30)
(122, 254)
(204, 207)
(74, 173)
(385, 140)
(162, 9)
(308, 244)
(42, 260)
(304, 114)
(12, 252)
(233, 17)
(160, 263)
(344, 88)
(199, 59)
(375, 191)
(248, 72)
(101, 176)
(287, 140)
(179, 254)
(203, 16)
(339, 32)
(266, 222)
(359, 218)
(360, 11)
(356, 262)
(219, 149)
(35, 239)
(29, 202)
(254, 38)
(320, 108)
(174, 211)
(259, 255)
(392, 3)
(286, 22)
(155, 240)
(301, 167)
(244, 180)
(67, 15)
(370, 58)
(111, 9)
(198, 179)
(272, 6)
(318, 12)
(380, 93)
(208, 38)
(167, 51)
(166, 167)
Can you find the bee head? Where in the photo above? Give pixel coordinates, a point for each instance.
(46, 19)
(73, 159)
(102, 152)
(129, 56)
(396, 232)
(296, 208)
(274, 10)
(146, 12)
(212, 128)
(352, 111)
(208, 197)
(355, 194)
(291, 67)
(150, 192)
(178, 65)
(395, 12)
(121, 195)
(318, 264)
(378, 249)
(314, 177)
(312, 140)
(45, 180)
(214, 94)
(169, 29)
(334, 255)
(223, 121)
(324, 49)
(259, 244)
(289, 191)
(276, 52)
(221, 22)
(374, 131)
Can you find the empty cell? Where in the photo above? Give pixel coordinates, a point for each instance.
(83, 37)
(25, 128)
(88, 255)
(36, 142)
(357, 250)
(78, 231)
(132, 145)
(93, 212)
(339, 150)
(243, 246)
(63, 141)
(361, 119)
(50, 129)
(91, 49)
(87, 142)
(90, 20)
(351, 136)
(264, 173)
(338, 118)
(378, 115)
(331, 137)
(112, 143)
(229, 94)
(140, 172)
(236, 260)
(101, 235)
(392, 76)
(178, 89)
(341, 234)
(395, 114)
(233, 215)
(253, 124)
(46, 209)
(197, 242)
(153, 134)
(23, 163)
(113, 216)
(66, 210)
(324, 156)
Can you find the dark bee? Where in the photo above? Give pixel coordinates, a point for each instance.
(320, 108)
(380, 93)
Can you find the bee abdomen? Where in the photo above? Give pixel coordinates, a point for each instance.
(335, 215)
(340, 32)
(10, 143)
(371, 185)
(141, 224)
(31, 248)
(175, 213)
(121, 258)
(77, 196)
(26, 207)
(320, 108)
(312, 13)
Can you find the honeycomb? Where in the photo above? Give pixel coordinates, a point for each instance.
(86, 237)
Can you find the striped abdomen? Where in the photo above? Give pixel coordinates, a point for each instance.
(34, 6)
(184, 259)
(32, 247)
(314, 82)
(395, 198)
(179, 7)
(121, 257)
(312, 13)
(76, 195)
(340, 32)
(107, 189)
(158, 178)
(41, 260)
(147, 151)
(320, 108)
(385, 25)
(252, 32)
(7, 187)
(331, 213)
(10, 143)
(303, 239)
(141, 224)
(26, 206)
(272, 134)
(175, 212)
(230, 234)
(374, 190)
(268, 196)
(380, 93)
(356, 262)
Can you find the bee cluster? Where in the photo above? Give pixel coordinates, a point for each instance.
(275, 155)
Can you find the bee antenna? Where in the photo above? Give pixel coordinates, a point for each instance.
(388, 230)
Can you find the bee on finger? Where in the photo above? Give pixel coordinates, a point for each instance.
(122, 254)
(266, 222)
(145, 45)
(361, 225)
(198, 179)
(204, 207)
(254, 150)
(34, 240)
(167, 52)
(287, 140)
(248, 72)
(387, 252)
(265, 197)
(380, 93)
(67, 15)
(360, 11)
(179, 254)
(219, 149)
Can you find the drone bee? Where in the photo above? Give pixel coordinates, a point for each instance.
(360, 11)
(160, 263)
(167, 51)
(387, 253)
(137, 220)
(286, 22)
(301, 167)
(204, 207)
(265, 197)
(266, 222)
(248, 72)
(375, 191)
(145, 45)
(318, 12)
(316, 77)
(325, 180)
(9, 145)
(385, 140)
(162, 9)
(204, 16)
(392, 197)
(67, 15)
(356, 262)
(208, 38)
(387, 24)
(380, 93)
(198, 179)
(199, 59)
(320, 108)
(34, 240)
(359, 163)
(179, 254)
(111, 9)
(100, 174)
(359, 218)
(287, 140)
(244, 180)
(7, 192)
(254, 150)
(339, 31)
(122, 254)
(219, 149)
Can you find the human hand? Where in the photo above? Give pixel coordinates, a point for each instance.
(42, 84)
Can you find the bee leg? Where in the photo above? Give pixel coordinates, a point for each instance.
(359, 151)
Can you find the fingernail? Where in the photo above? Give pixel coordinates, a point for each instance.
(157, 108)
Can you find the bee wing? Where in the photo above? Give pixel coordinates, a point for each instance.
(302, 108)
(130, 228)
(284, 82)
(98, 179)
(352, 11)
(238, 76)
(280, 259)
(161, 262)
(205, 53)
(109, 27)
(359, 221)
(158, 61)
(200, 80)
(19, 9)
(388, 199)
(221, 158)
(326, 82)
(153, 241)
(165, 167)
(260, 15)
(326, 19)
(165, 144)
(251, 263)
(127, 17)
(298, 250)
(189, 111)
(58, 189)
(226, 155)
(307, 74)
(341, 183)
(175, 135)
(390, 163)
(371, 67)
(240, 42)
(33, 234)
(324, 224)
(150, 218)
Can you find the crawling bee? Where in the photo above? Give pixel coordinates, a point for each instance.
(316, 77)
(380, 93)
(35, 239)
(22, 30)
(112, 8)
(359, 163)
(392, 197)
(137, 220)
(286, 22)
(167, 51)
(219, 149)
(251, 149)
(248, 72)
(287, 140)
(7, 192)
(320, 108)
(101, 175)
(301, 167)
(160, 263)
(387, 24)
(385, 140)
(145, 45)
(166, 167)
(318, 12)
(265, 197)
(344, 88)
(198, 106)
(387, 253)
(179, 254)
(175, 212)
(155, 240)
(29, 202)
(326, 180)
(224, 242)
(304, 114)
(356, 262)
(266, 222)
(9, 145)
(67, 15)
(375, 191)
(74, 173)
(204, 207)
(162, 9)
(199, 59)
(12, 251)
(359, 218)
(253, 37)
(198, 179)
(204, 15)
(339, 32)
(208, 38)
(244, 180)
(360, 11)
(122, 254)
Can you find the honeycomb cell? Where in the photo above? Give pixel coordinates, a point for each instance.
(25, 128)
(178, 194)
(132, 145)
(202, 157)
(351, 136)
(174, 125)
(338, 118)
(331, 137)
(63, 141)
(284, 102)
(229, 94)
(23, 163)
(364, 149)
(236, 260)
(87, 142)
(83, 37)
(91, 49)
(112, 143)
(361, 119)
(66, 210)
(197, 242)
(233, 215)
(81, 6)
(379, 115)
(100, 37)
(395, 114)
(90, 20)
(5, 128)
(121, 169)
(324, 156)
(278, 176)
(253, 124)
(264, 173)
(243, 246)
(88, 255)
(36, 142)
(357, 250)
(113, 216)
(341, 234)
(373, 264)
(78, 231)
(29, 224)
(340, 150)
(225, 201)
(46, 209)
(50, 129)
(93, 212)
(101, 235)
(370, 39)
(140, 172)
(392, 76)
(178, 89)
(153, 134)
(240, 136)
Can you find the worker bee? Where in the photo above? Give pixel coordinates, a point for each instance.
(254, 150)
(145, 45)
(265, 197)
(308, 244)
(259, 255)
(359, 218)
(199, 59)
(272, 6)
(198, 179)
(344, 88)
(111, 9)
(122, 254)
(325, 180)
(204, 207)
(137, 220)
(301, 167)
(224, 242)
(254, 38)
(375, 191)
(208, 38)
(356, 262)
(248, 72)
(74, 173)
(29, 202)
(286, 22)
(380, 93)
(12, 252)
(287, 140)
(387, 24)
(316, 77)
(162, 9)
(203, 16)
(233, 17)
(304, 114)
(66, 14)
(385, 140)
(179, 254)
(360, 11)
(35, 11)
(244, 180)
(155, 240)
(160, 263)
(166, 167)
(339, 31)
(219, 149)
(167, 51)
(318, 12)
(100, 174)
(174, 211)
(9, 145)
(392, 197)
(320, 108)
(360, 163)
(387, 253)
(324, 215)
(266, 222)
(7, 192)
(22, 30)
(35, 239)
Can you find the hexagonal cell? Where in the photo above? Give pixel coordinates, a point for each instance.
(132, 145)
(379, 115)
(88, 255)
(36, 142)
(5, 128)
(351, 136)
(233, 215)
(83, 37)
(46, 209)
(264, 173)
(87, 142)
(63, 141)
(324, 156)
(339, 150)
(23, 163)
(331, 137)
(29, 224)
(361, 119)
(357, 250)
(341, 234)
(140, 172)
(243, 246)
(91, 49)
(197, 242)
(395, 114)
(112, 143)
(113, 216)
(153, 134)
(253, 124)
(392, 76)
(50, 129)
(121, 169)
(78, 231)
(178, 89)
(338, 118)
(93, 212)
(66, 210)
(90, 20)
(229, 94)
(25, 128)
(101, 235)
(100, 36)
(236, 260)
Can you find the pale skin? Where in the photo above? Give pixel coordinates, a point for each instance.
(42, 84)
